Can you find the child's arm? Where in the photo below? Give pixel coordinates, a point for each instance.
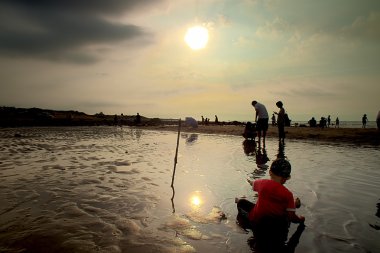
(293, 217)
(297, 202)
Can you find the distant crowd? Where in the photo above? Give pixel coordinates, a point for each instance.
(283, 118)
(326, 122)
(323, 122)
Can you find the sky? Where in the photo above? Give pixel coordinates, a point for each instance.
(319, 58)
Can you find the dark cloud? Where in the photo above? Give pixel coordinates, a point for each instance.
(64, 30)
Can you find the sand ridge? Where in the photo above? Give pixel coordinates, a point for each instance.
(362, 136)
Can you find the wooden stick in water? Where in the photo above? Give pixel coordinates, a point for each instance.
(175, 163)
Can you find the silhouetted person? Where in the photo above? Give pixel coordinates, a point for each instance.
(322, 122)
(337, 122)
(261, 119)
(250, 131)
(328, 121)
(378, 120)
(312, 122)
(216, 120)
(121, 121)
(364, 120)
(203, 119)
(273, 120)
(281, 121)
(115, 120)
(138, 119)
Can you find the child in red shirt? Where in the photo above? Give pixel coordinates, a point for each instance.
(275, 207)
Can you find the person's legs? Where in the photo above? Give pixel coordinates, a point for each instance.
(281, 133)
(264, 127)
(259, 128)
(244, 208)
(259, 136)
(244, 205)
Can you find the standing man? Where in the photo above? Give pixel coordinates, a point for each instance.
(261, 119)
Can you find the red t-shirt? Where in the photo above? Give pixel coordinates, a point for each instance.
(274, 200)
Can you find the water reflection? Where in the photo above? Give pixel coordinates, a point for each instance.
(190, 138)
(249, 147)
(261, 158)
(268, 245)
(172, 198)
(196, 200)
(281, 150)
(134, 133)
(138, 133)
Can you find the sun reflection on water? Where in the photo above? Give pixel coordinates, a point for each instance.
(196, 200)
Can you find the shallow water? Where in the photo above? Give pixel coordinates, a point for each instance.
(105, 189)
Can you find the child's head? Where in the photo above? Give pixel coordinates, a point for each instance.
(281, 167)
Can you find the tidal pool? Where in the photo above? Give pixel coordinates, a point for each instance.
(107, 189)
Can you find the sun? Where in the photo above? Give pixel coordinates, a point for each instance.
(196, 37)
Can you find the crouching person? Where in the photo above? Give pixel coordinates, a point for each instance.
(270, 217)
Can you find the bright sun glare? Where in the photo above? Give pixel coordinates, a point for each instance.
(195, 200)
(196, 37)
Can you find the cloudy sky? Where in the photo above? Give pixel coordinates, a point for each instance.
(128, 56)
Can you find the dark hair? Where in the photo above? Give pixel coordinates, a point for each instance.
(279, 104)
(281, 167)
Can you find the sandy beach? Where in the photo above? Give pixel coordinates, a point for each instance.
(20, 117)
(356, 136)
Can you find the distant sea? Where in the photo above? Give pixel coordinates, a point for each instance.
(344, 124)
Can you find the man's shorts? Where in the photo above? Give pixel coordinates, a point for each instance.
(262, 124)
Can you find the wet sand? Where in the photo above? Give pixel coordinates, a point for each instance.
(356, 136)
